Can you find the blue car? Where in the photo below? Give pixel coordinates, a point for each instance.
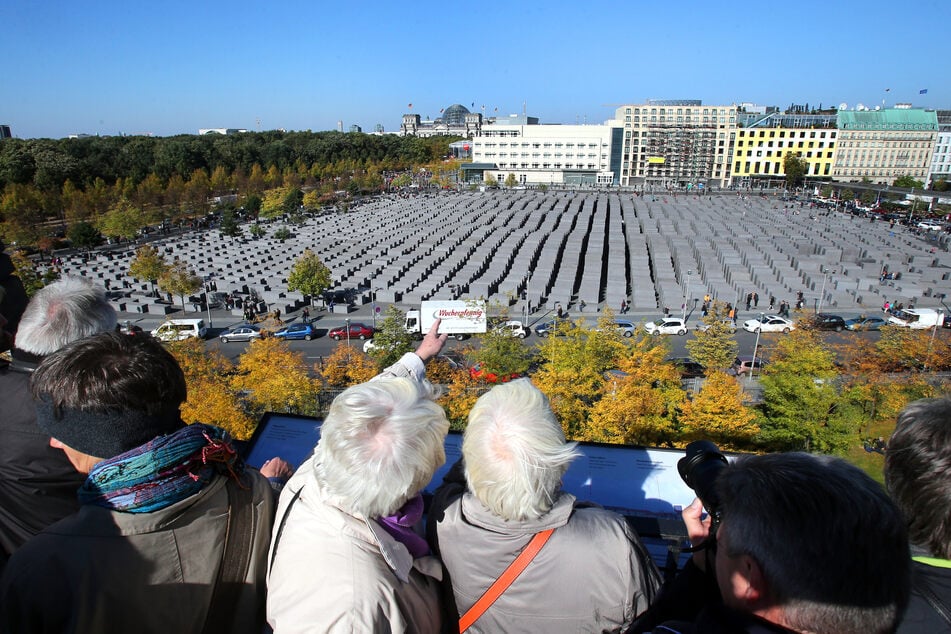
(297, 331)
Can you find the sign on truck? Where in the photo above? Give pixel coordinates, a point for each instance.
(460, 318)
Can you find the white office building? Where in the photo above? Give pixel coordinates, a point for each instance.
(546, 154)
(941, 158)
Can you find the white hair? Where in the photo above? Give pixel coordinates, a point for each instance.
(380, 444)
(515, 451)
(65, 311)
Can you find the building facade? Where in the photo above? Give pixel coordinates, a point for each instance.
(678, 144)
(456, 120)
(546, 154)
(763, 142)
(941, 158)
(882, 145)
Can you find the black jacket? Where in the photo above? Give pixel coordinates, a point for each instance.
(37, 482)
(920, 615)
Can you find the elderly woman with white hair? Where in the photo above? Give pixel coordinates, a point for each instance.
(344, 555)
(589, 571)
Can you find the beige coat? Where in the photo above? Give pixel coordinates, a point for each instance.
(334, 572)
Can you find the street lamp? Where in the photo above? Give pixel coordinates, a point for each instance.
(347, 320)
(755, 349)
(686, 293)
(825, 274)
(375, 291)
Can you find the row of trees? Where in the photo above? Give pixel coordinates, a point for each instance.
(46, 185)
(604, 387)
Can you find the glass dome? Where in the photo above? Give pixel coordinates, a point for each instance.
(455, 115)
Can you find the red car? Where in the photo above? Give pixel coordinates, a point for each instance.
(357, 331)
(476, 372)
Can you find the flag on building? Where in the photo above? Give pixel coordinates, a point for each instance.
(410, 105)
(923, 91)
(888, 90)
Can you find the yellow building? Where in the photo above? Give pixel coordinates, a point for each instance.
(763, 144)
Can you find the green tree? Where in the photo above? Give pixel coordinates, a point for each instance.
(309, 275)
(252, 204)
(715, 347)
(256, 230)
(83, 235)
(229, 224)
(123, 220)
(293, 201)
(510, 180)
(795, 169)
(719, 413)
(179, 280)
(500, 353)
(148, 264)
(491, 181)
(908, 182)
(847, 195)
(391, 340)
(800, 397)
(940, 185)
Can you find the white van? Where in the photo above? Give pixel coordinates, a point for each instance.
(917, 318)
(179, 329)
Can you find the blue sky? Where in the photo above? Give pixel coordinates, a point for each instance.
(133, 67)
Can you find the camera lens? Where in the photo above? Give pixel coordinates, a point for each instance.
(699, 469)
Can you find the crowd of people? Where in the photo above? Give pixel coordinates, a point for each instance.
(117, 516)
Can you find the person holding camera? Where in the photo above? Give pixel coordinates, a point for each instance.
(590, 571)
(794, 542)
(917, 477)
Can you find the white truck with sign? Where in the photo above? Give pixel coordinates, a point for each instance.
(917, 318)
(460, 318)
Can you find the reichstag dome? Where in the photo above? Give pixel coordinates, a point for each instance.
(455, 115)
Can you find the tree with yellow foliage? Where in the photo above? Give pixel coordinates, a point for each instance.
(718, 412)
(211, 397)
(714, 346)
(346, 366)
(460, 397)
(573, 363)
(639, 405)
(275, 379)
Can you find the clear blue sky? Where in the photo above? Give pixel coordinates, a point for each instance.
(134, 67)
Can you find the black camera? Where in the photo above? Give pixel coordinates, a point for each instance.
(699, 469)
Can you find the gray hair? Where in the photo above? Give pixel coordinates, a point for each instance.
(62, 312)
(380, 444)
(831, 545)
(918, 472)
(515, 451)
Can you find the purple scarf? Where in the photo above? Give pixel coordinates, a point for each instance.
(400, 526)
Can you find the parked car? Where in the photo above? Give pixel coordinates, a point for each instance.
(667, 326)
(769, 323)
(626, 328)
(930, 225)
(689, 369)
(244, 332)
(744, 364)
(730, 325)
(548, 327)
(865, 323)
(296, 331)
(513, 328)
(356, 331)
(476, 372)
(180, 329)
(825, 321)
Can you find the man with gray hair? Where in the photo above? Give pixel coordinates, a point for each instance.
(37, 483)
(918, 477)
(344, 555)
(593, 573)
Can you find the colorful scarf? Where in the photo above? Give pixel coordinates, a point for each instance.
(161, 472)
(400, 526)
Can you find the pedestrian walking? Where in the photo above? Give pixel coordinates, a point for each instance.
(305, 315)
(755, 300)
(772, 301)
(581, 306)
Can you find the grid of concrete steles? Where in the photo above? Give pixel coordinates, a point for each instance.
(566, 248)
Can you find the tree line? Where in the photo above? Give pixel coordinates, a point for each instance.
(48, 183)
